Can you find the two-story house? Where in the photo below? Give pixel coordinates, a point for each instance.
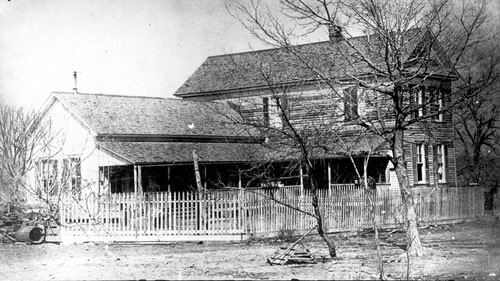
(317, 86)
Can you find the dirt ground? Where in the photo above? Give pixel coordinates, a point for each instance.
(467, 251)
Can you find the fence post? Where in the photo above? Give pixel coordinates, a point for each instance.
(62, 219)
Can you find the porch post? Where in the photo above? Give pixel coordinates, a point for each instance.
(135, 179)
(168, 179)
(139, 180)
(241, 209)
(205, 177)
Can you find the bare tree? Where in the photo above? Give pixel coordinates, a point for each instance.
(408, 44)
(24, 136)
(287, 139)
(477, 118)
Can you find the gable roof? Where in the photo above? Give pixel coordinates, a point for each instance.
(108, 115)
(283, 66)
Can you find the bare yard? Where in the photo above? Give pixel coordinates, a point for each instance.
(460, 251)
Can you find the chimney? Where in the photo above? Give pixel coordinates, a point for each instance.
(335, 33)
(75, 89)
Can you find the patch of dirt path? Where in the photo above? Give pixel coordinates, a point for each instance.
(462, 251)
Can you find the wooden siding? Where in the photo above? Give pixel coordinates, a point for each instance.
(317, 105)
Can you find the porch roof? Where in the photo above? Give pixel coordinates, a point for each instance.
(334, 148)
(182, 152)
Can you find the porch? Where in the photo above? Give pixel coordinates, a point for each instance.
(174, 177)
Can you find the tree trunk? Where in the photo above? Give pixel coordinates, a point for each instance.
(414, 246)
(476, 162)
(319, 217)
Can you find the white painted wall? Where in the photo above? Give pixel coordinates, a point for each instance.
(74, 139)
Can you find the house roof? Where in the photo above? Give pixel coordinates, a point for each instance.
(108, 115)
(182, 152)
(330, 60)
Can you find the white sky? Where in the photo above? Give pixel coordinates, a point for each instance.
(128, 47)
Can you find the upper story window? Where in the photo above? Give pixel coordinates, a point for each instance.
(350, 103)
(429, 101)
(274, 111)
(436, 104)
(420, 101)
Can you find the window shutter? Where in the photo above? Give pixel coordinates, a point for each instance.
(283, 102)
(434, 164)
(446, 164)
(265, 111)
(425, 101)
(414, 161)
(413, 101)
(426, 159)
(446, 98)
(350, 103)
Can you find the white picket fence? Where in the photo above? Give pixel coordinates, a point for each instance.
(229, 214)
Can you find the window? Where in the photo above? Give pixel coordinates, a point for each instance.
(284, 111)
(52, 175)
(420, 101)
(47, 177)
(274, 111)
(436, 104)
(281, 110)
(351, 103)
(441, 163)
(427, 101)
(72, 174)
(420, 162)
(265, 111)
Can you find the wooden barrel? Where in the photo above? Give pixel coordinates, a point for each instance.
(31, 234)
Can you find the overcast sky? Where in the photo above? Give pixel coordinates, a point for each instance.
(128, 47)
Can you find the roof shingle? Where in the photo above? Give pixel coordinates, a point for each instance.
(294, 64)
(182, 152)
(132, 115)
